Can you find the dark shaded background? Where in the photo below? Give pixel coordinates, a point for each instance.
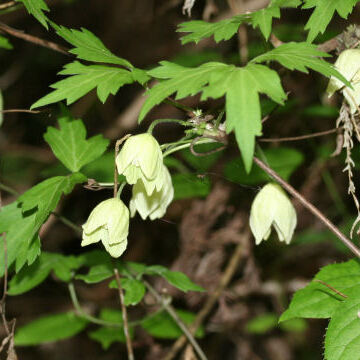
(195, 233)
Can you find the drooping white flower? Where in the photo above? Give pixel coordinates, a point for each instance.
(141, 158)
(153, 206)
(108, 223)
(348, 64)
(272, 207)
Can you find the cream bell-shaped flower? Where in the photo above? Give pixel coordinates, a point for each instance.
(141, 158)
(108, 223)
(272, 207)
(348, 64)
(153, 206)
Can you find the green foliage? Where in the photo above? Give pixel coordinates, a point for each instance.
(70, 146)
(134, 290)
(49, 328)
(37, 8)
(175, 278)
(84, 78)
(89, 47)
(318, 301)
(163, 326)
(324, 12)
(300, 56)
(108, 335)
(283, 160)
(342, 339)
(33, 275)
(22, 220)
(226, 29)
(221, 30)
(241, 86)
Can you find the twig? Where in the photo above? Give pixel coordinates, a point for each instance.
(7, 5)
(332, 288)
(33, 39)
(188, 334)
(21, 111)
(302, 137)
(211, 301)
(81, 313)
(351, 246)
(124, 315)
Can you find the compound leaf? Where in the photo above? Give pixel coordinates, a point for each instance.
(301, 56)
(84, 78)
(240, 85)
(89, 47)
(324, 12)
(37, 8)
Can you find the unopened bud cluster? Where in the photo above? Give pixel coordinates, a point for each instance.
(141, 162)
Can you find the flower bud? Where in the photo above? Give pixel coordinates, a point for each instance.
(141, 158)
(108, 223)
(154, 205)
(348, 64)
(271, 206)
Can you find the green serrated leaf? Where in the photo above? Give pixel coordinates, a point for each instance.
(318, 301)
(28, 214)
(46, 195)
(84, 78)
(49, 328)
(31, 276)
(70, 146)
(221, 30)
(301, 56)
(37, 8)
(89, 47)
(263, 19)
(324, 12)
(342, 340)
(240, 85)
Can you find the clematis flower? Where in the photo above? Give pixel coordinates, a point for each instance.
(141, 159)
(108, 223)
(153, 206)
(272, 207)
(348, 64)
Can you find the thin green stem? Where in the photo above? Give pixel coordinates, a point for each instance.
(178, 105)
(160, 121)
(8, 189)
(187, 145)
(81, 313)
(68, 222)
